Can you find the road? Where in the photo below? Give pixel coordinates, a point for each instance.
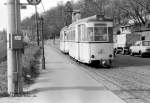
(129, 78)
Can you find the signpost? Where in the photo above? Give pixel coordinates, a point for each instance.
(42, 38)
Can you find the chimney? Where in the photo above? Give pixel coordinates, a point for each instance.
(76, 15)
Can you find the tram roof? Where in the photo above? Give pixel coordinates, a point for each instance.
(96, 18)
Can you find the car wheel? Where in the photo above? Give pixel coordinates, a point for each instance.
(123, 52)
(131, 53)
(141, 54)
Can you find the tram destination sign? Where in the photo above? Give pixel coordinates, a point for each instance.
(34, 2)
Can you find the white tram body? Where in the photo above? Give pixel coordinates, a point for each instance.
(89, 40)
(64, 47)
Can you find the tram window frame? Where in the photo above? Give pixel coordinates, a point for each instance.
(92, 36)
(110, 34)
(83, 33)
(102, 34)
(73, 32)
(67, 36)
(64, 35)
(90, 33)
(79, 32)
(71, 35)
(61, 36)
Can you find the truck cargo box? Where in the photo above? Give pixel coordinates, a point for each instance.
(124, 41)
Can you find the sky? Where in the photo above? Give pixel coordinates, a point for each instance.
(26, 12)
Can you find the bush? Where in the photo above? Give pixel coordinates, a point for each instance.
(30, 71)
(30, 61)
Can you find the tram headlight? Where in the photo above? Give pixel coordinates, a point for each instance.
(104, 62)
(92, 56)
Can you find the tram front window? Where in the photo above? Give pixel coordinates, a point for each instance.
(98, 33)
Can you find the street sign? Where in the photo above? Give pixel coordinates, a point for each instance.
(34, 2)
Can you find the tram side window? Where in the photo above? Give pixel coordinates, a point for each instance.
(64, 35)
(110, 33)
(73, 35)
(67, 35)
(61, 36)
(100, 34)
(83, 33)
(90, 33)
(79, 32)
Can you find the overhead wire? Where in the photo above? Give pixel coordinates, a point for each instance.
(43, 7)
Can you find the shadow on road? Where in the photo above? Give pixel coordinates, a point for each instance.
(46, 89)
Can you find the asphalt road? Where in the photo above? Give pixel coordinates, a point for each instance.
(129, 78)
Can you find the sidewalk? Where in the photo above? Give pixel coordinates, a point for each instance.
(64, 82)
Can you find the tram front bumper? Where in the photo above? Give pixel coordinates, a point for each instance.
(102, 62)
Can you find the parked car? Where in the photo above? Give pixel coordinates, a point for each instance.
(141, 48)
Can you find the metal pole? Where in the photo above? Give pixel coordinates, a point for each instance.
(14, 69)
(36, 21)
(19, 54)
(42, 37)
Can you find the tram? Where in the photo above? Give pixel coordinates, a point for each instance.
(89, 40)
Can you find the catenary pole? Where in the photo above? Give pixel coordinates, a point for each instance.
(37, 27)
(42, 37)
(14, 56)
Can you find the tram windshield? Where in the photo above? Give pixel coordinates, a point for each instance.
(98, 33)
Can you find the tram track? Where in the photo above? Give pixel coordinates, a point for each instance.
(132, 90)
(133, 77)
(115, 85)
(131, 95)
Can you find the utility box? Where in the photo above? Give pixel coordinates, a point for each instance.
(17, 41)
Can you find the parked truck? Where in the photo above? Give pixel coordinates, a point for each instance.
(123, 42)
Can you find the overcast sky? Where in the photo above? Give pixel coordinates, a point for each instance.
(27, 12)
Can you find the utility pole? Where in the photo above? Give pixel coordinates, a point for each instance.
(42, 38)
(36, 21)
(35, 3)
(14, 48)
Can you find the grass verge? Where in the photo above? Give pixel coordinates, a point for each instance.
(30, 68)
(30, 63)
